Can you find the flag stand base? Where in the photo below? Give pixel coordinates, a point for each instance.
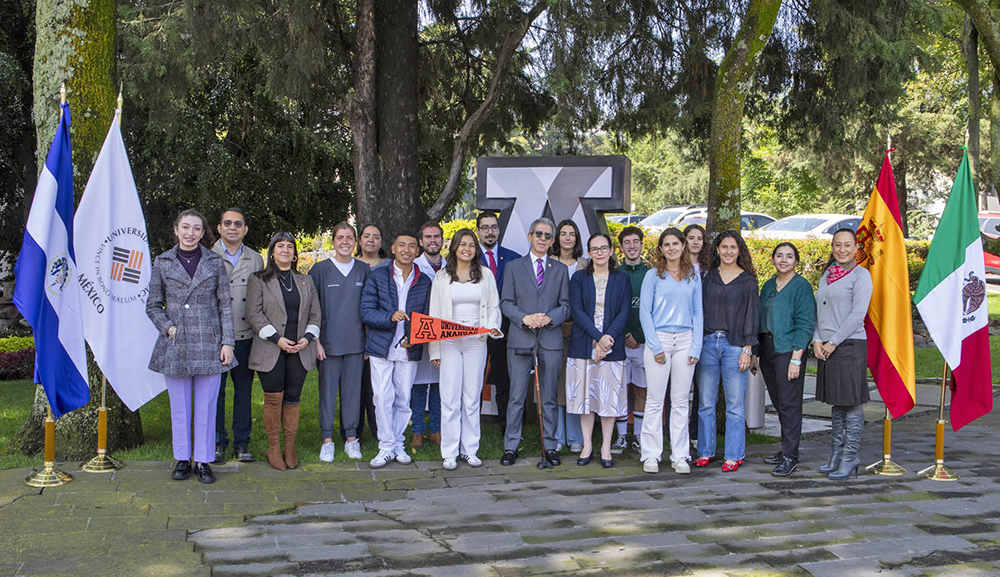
(48, 477)
(102, 463)
(886, 467)
(938, 472)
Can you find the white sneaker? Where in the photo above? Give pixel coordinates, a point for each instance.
(326, 452)
(682, 467)
(353, 449)
(575, 448)
(472, 460)
(402, 457)
(619, 446)
(651, 466)
(559, 447)
(382, 459)
(450, 464)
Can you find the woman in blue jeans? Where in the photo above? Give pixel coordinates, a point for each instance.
(731, 305)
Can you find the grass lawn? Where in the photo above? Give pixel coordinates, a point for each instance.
(16, 398)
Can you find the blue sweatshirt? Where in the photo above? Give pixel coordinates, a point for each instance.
(669, 306)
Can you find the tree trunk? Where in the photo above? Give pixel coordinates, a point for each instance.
(735, 77)
(971, 50)
(364, 116)
(994, 175)
(901, 193)
(75, 44)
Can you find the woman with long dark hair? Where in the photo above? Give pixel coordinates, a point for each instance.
(787, 321)
(600, 300)
(464, 292)
(670, 309)
(189, 304)
(696, 237)
(283, 307)
(840, 345)
(370, 249)
(568, 249)
(731, 305)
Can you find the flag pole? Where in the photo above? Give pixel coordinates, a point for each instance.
(937, 471)
(886, 466)
(49, 476)
(103, 462)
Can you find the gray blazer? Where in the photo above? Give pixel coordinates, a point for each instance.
(267, 315)
(249, 262)
(200, 309)
(520, 297)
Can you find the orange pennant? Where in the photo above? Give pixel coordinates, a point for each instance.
(424, 329)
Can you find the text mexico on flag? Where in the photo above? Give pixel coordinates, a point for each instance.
(951, 298)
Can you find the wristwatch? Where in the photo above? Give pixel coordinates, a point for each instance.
(796, 362)
(747, 351)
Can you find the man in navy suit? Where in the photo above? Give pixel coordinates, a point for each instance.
(496, 257)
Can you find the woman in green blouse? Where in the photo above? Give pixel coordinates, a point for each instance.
(787, 320)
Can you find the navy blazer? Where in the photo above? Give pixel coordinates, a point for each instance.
(617, 307)
(379, 300)
(504, 256)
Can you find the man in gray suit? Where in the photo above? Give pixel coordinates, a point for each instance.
(535, 298)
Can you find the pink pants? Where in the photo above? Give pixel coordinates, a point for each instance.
(204, 391)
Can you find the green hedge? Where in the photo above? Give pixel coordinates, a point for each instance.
(15, 344)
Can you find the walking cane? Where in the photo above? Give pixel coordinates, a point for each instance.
(544, 463)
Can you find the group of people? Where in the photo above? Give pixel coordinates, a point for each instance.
(592, 329)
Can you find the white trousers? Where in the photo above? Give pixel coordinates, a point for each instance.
(678, 373)
(391, 384)
(462, 364)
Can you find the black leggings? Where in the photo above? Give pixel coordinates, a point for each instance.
(287, 377)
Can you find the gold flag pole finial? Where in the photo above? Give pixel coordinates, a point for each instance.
(62, 93)
(118, 110)
(937, 471)
(888, 142)
(966, 138)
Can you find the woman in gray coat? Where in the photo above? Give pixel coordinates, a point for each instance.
(283, 307)
(189, 305)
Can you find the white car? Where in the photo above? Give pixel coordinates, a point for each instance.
(670, 216)
(748, 220)
(808, 226)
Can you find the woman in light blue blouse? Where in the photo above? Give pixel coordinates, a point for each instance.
(671, 315)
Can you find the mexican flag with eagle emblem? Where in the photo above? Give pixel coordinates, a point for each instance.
(951, 298)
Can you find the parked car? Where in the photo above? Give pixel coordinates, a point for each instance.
(988, 222)
(808, 226)
(670, 216)
(626, 218)
(748, 220)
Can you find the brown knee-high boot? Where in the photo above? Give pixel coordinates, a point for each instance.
(290, 421)
(272, 425)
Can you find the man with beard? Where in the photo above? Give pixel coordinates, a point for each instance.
(496, 258)
(426, 392)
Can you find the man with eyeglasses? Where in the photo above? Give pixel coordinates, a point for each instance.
(241, 261)
(496, 258)
(535, 299)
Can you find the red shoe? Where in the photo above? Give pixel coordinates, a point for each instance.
(702, 461)
(730, 467)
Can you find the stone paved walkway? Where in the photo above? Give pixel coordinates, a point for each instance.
(507, 521)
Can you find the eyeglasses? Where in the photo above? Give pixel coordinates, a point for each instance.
(600, 249)
(545, 235)
(490, 228)
(229, 223)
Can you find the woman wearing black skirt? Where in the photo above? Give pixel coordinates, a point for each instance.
(840, 344)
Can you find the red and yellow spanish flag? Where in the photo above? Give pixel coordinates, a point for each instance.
(889, 324)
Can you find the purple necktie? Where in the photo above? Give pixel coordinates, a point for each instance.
(540, 274)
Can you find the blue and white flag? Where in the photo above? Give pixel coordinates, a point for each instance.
(115, 267)
(47, 292)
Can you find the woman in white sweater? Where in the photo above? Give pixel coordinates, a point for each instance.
(463, 292)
